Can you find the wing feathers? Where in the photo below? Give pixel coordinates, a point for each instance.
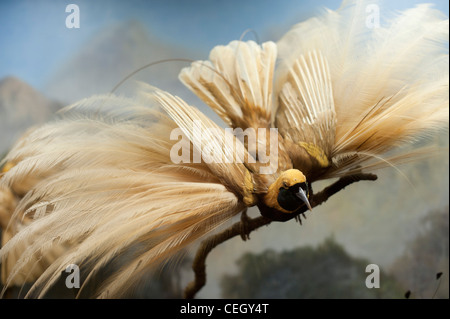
(217, 149)
(306, 114)
(236, 83)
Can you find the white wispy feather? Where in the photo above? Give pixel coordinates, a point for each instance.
(389, 82)
(121, 171)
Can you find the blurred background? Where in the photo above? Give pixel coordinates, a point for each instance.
(400, 222)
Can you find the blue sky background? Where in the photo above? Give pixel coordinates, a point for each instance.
(34, 40)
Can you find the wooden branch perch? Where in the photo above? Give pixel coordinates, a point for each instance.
(248, 225)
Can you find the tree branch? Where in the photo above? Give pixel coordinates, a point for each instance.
(251, 224)
(210, 243)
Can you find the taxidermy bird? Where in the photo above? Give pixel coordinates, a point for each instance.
(150, 175)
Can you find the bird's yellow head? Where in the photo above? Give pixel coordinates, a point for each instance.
(289, 192)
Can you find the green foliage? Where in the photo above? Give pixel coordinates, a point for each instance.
(327, 271)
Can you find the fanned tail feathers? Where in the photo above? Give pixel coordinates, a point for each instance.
(389, 82)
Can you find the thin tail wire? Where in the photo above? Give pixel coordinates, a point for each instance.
(255, 34)
(145, 67)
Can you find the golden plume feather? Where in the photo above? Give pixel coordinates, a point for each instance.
(101, 180)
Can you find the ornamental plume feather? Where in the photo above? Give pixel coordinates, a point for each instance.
(100, 180)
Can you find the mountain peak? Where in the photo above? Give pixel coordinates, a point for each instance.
(109, 56)
(18, 97)
(12, 81)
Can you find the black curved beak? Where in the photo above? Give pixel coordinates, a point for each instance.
(301, 194)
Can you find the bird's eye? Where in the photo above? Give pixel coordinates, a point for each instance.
(285, 185)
